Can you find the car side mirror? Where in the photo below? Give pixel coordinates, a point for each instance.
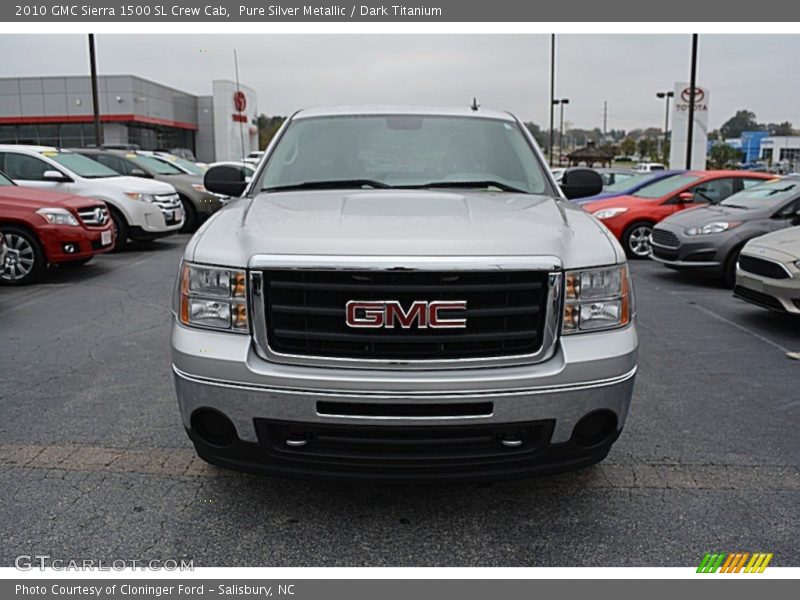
(684, 197)
(141, 173)
(226, 180)
(581, 182)
(56, 176)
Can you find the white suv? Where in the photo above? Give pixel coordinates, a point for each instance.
(141, 209)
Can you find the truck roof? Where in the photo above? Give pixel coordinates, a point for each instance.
(400, 109)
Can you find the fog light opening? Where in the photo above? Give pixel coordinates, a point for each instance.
(213, 427)
(595, 429)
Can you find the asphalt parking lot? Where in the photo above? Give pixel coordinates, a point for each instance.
(94, 462)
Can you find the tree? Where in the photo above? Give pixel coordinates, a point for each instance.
(743, 120)
(267, 127)
(537, 133)
(628, 146)
(784, 128)
(723, 156)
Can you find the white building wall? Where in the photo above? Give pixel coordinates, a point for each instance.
(235, 131)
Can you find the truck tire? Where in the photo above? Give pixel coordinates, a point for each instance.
(636, 239)
(29, 261)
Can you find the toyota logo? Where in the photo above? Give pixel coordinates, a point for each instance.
(686, 94)
(240, 101)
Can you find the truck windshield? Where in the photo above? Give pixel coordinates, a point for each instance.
(404, 151)
(667, 186)
(81, 166)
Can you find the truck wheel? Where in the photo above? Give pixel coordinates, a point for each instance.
(636, 239)
(120, 230)
(25, 262)
(189, 216)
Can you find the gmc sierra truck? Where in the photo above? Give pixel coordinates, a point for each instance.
(403, 294)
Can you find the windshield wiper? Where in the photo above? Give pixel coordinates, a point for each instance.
(333, 184)
(483, 183)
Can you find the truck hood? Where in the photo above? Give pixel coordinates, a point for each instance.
(403, 223)
(34, 199)
(137, 184)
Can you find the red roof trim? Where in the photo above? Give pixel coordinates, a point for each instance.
(90, 119)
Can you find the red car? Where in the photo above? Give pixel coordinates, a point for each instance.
(631, 218)
(41, 228)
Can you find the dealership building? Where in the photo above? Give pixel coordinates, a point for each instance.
(57, 111)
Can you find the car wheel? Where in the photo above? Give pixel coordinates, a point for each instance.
(120, 230)
(189, 216)
(25, 261)
(729, 269)
(636, 240)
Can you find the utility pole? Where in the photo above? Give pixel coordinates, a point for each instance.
(666, 96)
(552, 91)
(605, 120)
(95, 101)
(692, 89)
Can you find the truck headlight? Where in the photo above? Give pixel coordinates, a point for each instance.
(717, 227)
(58, 216)
(597, 299)
(212, 297)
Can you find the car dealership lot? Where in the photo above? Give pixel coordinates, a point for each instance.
(94, 462)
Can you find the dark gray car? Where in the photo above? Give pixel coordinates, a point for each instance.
(198, 204)
(709, 238)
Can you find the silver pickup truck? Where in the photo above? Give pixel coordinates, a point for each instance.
(403, 294)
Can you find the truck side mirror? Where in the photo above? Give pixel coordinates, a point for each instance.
(581, 182)
(226, 180)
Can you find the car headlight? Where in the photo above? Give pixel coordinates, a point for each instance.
(199, 187)
(58, 216)
(608, 213)
(597, 299)
(212, 297)
(716, 227)
(140, 196)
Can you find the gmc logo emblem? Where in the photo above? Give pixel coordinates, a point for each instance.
(377, 314)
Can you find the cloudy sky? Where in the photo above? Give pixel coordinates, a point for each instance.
(757, 72)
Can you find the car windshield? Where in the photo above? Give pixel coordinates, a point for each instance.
(5, 181)
(80, 165)
(410, 151)
(765, 195)
(628, 182)
(153, 164)
(188, 165)
(667, 186)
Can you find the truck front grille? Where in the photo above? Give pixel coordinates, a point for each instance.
(306, 313)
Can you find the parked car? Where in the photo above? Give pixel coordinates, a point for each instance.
(631, 218)
(649, 167)
(198, 204)
(629, 186)
(349, 315)
(249, 168)
(187, 166)
(254, 157)
(768, 273)
(710, 238)
(615, 175)
(141, 210)
(39, 228)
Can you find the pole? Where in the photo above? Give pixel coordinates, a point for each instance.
(561, 133)
(95, 102)
(666, 125)
(552, 90)
(692, 85)
(605, 119)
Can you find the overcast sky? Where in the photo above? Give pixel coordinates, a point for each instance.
(757, 72)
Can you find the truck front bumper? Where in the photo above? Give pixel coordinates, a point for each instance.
(245, 413)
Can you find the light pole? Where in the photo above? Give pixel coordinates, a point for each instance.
(666, 96)
(692, 93)
(552, 90)
(560, 102)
